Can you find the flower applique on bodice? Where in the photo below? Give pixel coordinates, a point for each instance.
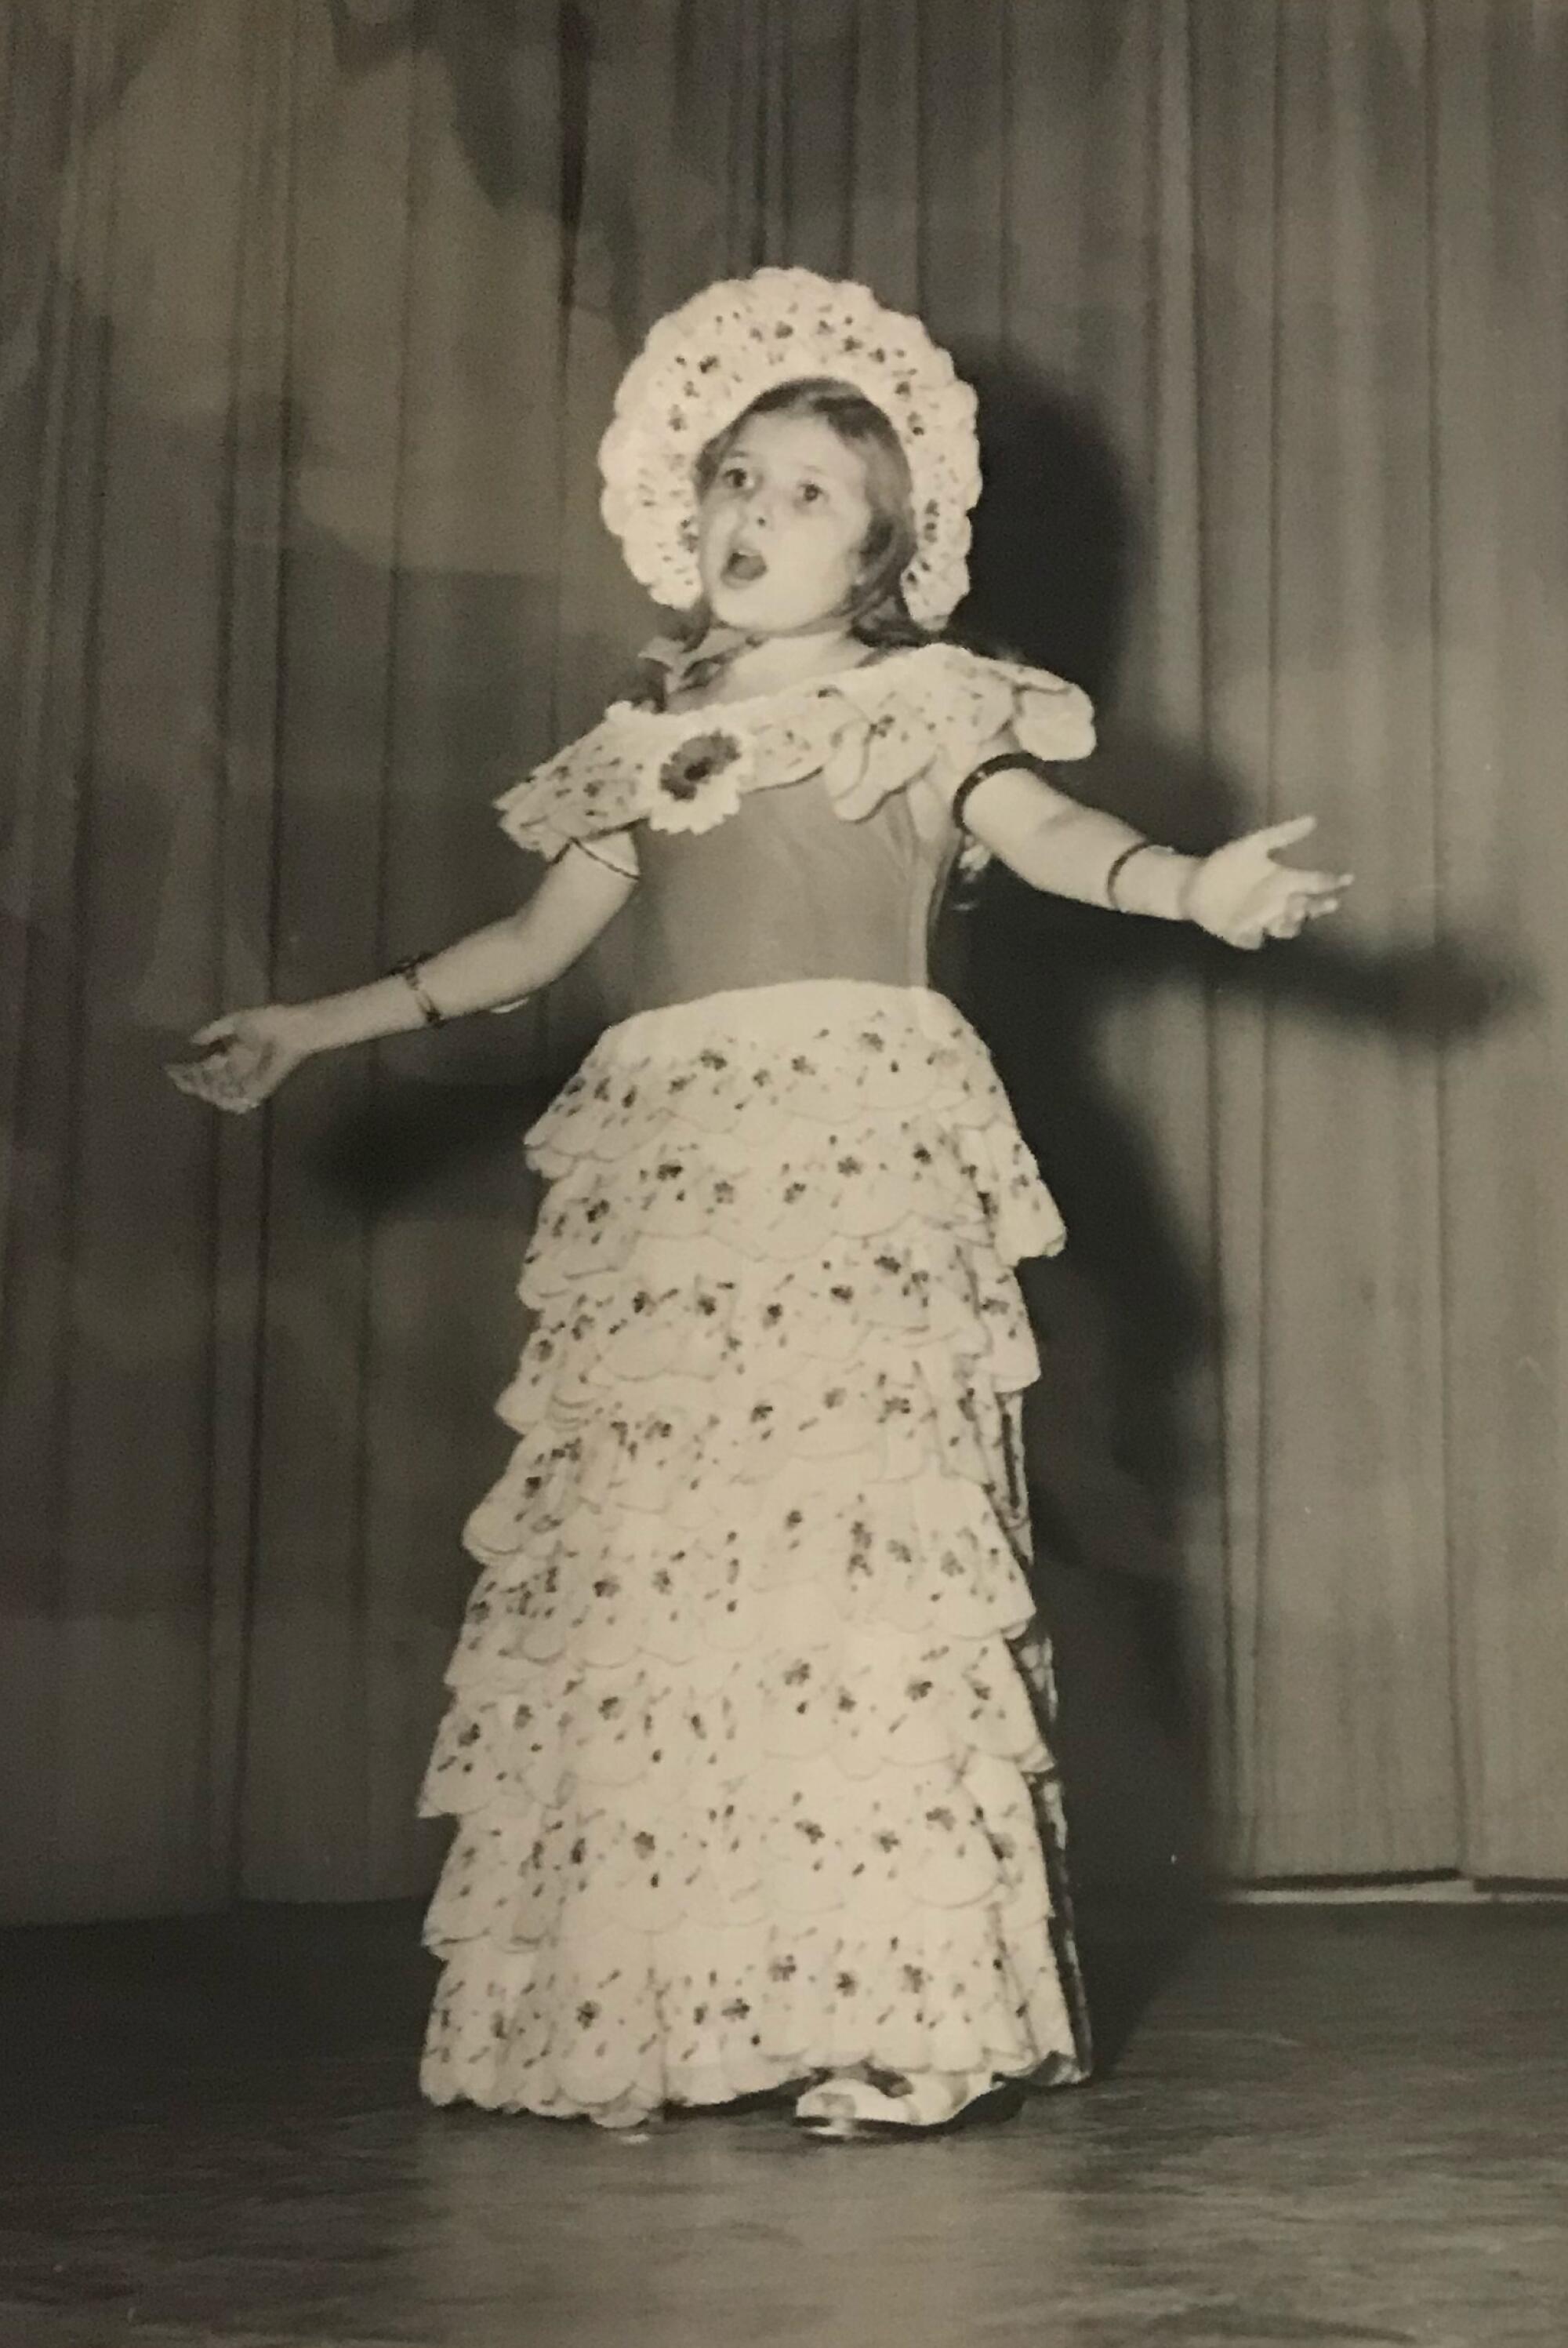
(779, 838)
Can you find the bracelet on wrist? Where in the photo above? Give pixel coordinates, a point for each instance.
(1118, 864)
(409, 972)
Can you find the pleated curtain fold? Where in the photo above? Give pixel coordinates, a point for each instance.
(309, 320)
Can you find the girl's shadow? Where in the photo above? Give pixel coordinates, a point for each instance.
(1126, 1318)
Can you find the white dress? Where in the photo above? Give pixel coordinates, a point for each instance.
(748, 1739)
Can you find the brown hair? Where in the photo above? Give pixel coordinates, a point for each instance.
(880, 615)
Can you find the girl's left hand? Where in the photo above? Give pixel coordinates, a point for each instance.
(1240, 894)
(244, 1057)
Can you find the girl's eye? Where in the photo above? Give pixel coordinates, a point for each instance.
(810, 492)
(733, 477)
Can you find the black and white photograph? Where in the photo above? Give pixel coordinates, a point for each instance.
(783, 1231)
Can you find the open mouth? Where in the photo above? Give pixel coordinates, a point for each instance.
(742, 567)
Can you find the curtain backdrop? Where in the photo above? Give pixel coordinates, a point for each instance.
(311, 311)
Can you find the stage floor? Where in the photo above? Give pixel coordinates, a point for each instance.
(1316, 2127)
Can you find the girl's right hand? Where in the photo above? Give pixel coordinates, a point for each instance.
(244, 1056)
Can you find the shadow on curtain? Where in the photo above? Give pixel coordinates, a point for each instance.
(308, 324)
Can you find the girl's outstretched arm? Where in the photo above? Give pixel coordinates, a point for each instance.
(1240, 893)
(246, 1054)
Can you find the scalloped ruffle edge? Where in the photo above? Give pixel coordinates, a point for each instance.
(866, 732)
(703, 2017)
(748, 1659)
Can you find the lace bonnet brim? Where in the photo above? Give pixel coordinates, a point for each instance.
(706, 361)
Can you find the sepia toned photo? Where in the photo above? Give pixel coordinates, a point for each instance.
(782, 1018)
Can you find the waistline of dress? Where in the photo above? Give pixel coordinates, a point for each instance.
(786, 1010)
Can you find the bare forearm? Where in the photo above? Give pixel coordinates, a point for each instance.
(1240, 893)
(500, 964)
(490, 966)
(1072, 851)
(244, 1056)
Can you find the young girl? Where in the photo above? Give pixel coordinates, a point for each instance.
(747, 1740)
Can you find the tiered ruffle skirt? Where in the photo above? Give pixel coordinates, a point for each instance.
(747, 1741)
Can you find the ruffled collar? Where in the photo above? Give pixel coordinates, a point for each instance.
(867, 730)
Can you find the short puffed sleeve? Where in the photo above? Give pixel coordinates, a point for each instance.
(616, 851)
(972, 703)
(935, 713)
(582, 798)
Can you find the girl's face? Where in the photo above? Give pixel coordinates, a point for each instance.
(781, 528)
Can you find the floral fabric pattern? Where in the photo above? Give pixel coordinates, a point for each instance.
(748, 1739)
(933, 709)
(699, 782)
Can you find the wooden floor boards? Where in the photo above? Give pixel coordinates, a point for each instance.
(1316, 2127)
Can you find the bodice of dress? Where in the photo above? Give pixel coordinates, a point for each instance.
(784, 890)
(783, 836)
